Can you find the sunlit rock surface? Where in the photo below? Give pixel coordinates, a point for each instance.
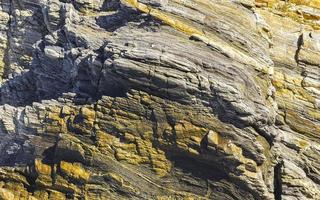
(160, 99)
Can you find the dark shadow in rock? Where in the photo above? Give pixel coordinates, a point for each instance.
(120, 18)
(19, 90)
(111, 5)
(204, 179)
(277, 181)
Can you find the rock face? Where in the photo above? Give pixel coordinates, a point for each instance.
(160, 99)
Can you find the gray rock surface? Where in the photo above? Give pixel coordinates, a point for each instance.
(126, 99)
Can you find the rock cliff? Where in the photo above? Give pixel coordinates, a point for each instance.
(160, 99)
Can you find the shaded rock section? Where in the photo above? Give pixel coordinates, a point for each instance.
(144, 99)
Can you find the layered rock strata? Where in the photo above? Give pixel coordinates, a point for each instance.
(167, 99)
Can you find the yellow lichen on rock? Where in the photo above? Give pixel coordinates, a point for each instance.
(6, 194)
(302, 11)
(311, 3)
(74, 170)
(42, 168)
(191, 99)
(228, 147)
(142, 152)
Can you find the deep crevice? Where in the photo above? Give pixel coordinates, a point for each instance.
(277, 181)
(299, 45)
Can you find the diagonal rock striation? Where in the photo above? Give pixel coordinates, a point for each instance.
(167, 99)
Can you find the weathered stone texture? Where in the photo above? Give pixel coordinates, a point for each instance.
(160, 99)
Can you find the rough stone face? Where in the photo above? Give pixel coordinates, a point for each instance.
(160, 99)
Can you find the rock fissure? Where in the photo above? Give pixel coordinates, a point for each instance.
(145, 99)
(278, 181)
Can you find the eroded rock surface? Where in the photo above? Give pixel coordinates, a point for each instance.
(160, 99)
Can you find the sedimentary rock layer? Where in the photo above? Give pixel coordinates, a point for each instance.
(160, 99)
